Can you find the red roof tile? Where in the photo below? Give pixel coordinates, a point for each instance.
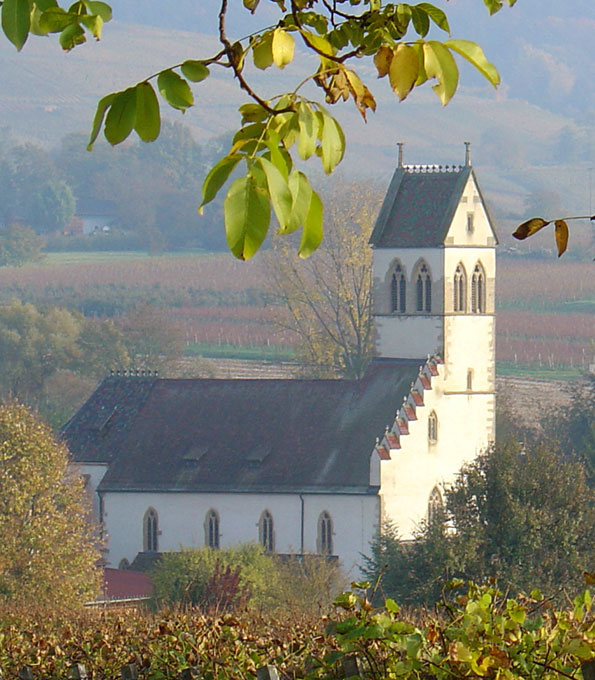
(383, 453)
(403, 427)
(393, 441)
(427, 385)
(410, 412)
(433, 368)
(417, 398)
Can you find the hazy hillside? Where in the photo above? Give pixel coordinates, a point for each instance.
(535, 134)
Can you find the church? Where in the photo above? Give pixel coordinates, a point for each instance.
(315, 466)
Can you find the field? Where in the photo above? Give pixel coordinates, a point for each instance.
(545, 319)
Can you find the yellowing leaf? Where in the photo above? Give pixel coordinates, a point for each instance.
(281, 197)
(404, 69)
(216, 178)
(382, 60)
(247, 215)
(473, 53)
(301, 194)
(283, 46)
(262, 51)
(561, 236)
(332, 143)
(440, 64)
(529, 228)
(312, 232)
(308, 128)
(589, 578)
(361, 95)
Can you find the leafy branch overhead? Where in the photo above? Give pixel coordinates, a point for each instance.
(535, 224)
(275, 132)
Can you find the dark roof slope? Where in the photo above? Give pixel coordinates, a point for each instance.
(246, 435)
(99, 428)
(419, 207)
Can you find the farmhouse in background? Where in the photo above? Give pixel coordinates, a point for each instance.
(313, 466)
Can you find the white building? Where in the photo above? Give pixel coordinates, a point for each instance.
(313, 466)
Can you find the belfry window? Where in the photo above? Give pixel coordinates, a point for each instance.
(424, 290)
(478, 285)
(398, 291)
(150, 531)
(459, 290)
(325, 534)
(212, 530)
(266, 535)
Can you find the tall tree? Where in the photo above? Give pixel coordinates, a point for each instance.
(48, 551)
(275, 130)
(328, 297)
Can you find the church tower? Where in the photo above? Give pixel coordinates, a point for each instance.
(434, 267)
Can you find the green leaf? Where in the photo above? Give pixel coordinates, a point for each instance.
(121, 116)
(301, 194)
(148, 121)
(404, 70)
(71, 36)
(312, 232)
(308, 129)
(101, 9)
(216, 178)
(283, 46)
(279, 192)
(253, 113)
(175, 90)
(93, 23)
(436, 15)
(392, 606)
(55, 20)
(16, 21)
(332, 143)
(473, 53)
(262, 51)
(247, 215)
(440, 64)
(421, 21)
(251, 5)
(195, 70)
(102, 107)
(42, 5)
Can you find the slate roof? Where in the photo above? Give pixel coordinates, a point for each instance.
(252, 435)
(419, 207)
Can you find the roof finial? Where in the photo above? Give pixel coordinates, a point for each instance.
(467, 154)
(400, 145)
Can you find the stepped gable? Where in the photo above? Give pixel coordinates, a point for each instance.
(259, 435)
(98, 429)
(419, 206)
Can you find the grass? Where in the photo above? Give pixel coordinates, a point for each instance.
(509, 369)
(252, 352)
(98, 257)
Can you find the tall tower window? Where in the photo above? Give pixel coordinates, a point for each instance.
(212, 529)
(398, 291)
(459, 290)
(150, 531)
(325, 534)
(435, 506)
(469, 379)
(432, 428)
(478, 286)
(266, 536)
(470, 224)
(424, 290)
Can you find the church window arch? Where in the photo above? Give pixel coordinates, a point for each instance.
(423, 288)
(212, 529)
(325, 534)
(398, 290)
(469, 379)
(124, 564)
(478, 290)
(459, 297)
(266, 535)
(435, 505)
(433, 427)
(151, 531)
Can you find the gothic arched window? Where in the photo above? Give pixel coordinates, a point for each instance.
(325, 534)
(266, 535)
(212, 529)
(435, 506)
(398, 291)
(459, 298)
(150, 531)
(478, 290)
(423, 290)
(432, 428)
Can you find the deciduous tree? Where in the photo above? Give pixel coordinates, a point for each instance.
(48, 551)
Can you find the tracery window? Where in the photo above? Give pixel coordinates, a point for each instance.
(266, 535)
(432, 428)
(424, 290)
(325, 534)
(435, 506)
(398, 291)
(150, 531)
(459, 290)
(478, 295)
(212, 529)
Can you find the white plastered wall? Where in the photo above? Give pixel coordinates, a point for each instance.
(95, 473)
(181, 518)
